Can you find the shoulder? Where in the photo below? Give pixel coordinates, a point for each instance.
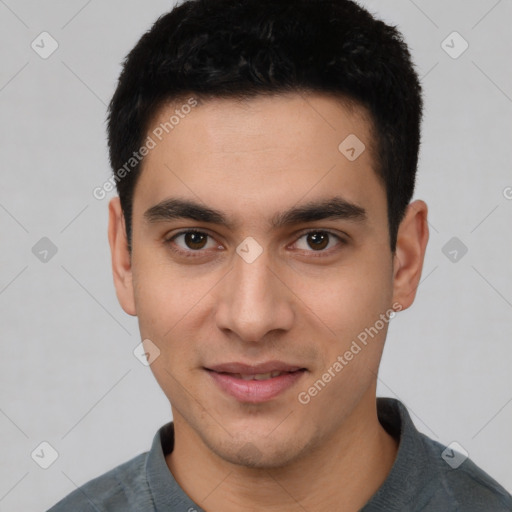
(428, 476)
(121, 488)
(460, 484)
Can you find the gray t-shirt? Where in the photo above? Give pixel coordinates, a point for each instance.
(422, 478)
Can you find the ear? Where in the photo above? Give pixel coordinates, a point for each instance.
(121, 260)
(410, 252)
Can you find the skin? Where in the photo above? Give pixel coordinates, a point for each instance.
(295, 304)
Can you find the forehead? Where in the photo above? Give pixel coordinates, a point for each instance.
(236, 125)
(266, 150)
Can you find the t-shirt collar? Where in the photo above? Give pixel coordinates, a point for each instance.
(394, 494)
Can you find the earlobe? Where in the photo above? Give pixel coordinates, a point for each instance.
(121, 260)
(410, 252)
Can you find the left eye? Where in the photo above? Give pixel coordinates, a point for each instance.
(317, 240)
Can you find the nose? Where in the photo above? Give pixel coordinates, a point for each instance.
(254, 300)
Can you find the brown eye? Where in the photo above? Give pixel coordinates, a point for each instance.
(318, 241)
(190, 242)
(195, 240)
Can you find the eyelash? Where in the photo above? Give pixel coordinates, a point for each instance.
(197, 253)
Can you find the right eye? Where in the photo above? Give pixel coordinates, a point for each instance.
(191, 241)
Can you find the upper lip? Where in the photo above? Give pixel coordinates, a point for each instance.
(253, 369)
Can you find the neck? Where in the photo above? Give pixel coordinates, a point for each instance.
(346, 469)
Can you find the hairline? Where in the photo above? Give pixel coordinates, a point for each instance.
(353, 105)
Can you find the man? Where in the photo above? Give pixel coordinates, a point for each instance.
(265, 155)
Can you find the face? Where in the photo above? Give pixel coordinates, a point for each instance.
(257, 298)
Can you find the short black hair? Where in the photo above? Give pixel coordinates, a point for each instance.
(244, 48)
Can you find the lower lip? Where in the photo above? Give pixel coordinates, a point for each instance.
(255, 391)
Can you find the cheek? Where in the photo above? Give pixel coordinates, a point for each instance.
(173, 306)
(351, 307)
(165, 307)
(349, 298)
(164, 293)
(161, 305)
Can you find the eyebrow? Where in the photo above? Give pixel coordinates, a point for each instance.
(331, 208)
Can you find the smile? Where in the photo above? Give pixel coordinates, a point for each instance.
(250, 386)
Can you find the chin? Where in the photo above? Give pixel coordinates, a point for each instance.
(260, 455)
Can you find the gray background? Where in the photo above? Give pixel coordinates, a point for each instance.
(68, 375)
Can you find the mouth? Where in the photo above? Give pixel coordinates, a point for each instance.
(256, 376)
(255, 383)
